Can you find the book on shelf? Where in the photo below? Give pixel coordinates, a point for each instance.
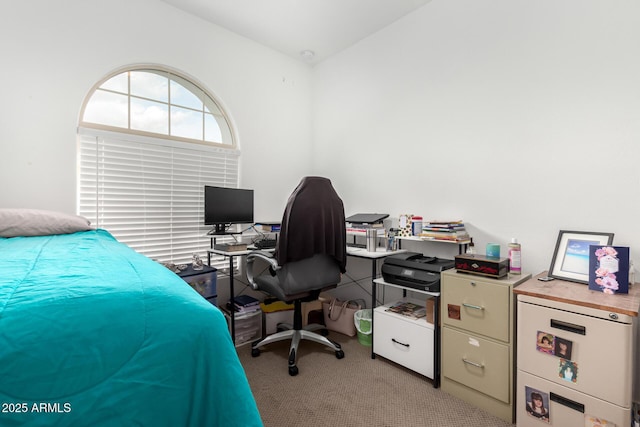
(408, 309)
(230, 247)
(358, 229)
(267, 227)
(244, 304)
(440, 228)
(453, 236)
(444, 225)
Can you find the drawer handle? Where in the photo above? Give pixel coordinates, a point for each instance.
(476, 364)
(567, 402)
(398, 342)
(570, 327)
(475, 307)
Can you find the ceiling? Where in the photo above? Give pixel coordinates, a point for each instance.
(324, 27)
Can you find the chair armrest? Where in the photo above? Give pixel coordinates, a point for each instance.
(263, 255)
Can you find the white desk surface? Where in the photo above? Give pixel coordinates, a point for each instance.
(239, 253)
(379, 253)
(351, 251)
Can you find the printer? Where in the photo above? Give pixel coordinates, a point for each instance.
(415, 270)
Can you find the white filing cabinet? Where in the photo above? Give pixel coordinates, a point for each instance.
(405, 340)
(478, 340)
(593, 378)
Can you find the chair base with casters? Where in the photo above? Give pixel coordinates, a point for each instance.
(272, 284)
(295, 333)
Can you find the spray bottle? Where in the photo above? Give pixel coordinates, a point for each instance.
(515, 257)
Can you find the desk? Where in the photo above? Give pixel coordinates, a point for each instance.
(373, 256)
(230, 255)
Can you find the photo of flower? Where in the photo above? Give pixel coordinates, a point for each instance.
(609, 269)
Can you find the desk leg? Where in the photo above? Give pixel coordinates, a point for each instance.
(232, 310)
(436, 342)
(374, 271)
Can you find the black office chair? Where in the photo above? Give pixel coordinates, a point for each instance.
(310, 257)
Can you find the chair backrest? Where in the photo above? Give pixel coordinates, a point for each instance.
(313, 223)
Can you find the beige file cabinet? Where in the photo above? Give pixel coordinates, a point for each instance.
(595, 376)
(478, 340)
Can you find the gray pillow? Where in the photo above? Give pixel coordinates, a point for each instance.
(35, 222)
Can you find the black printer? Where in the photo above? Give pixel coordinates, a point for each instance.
(414, 270)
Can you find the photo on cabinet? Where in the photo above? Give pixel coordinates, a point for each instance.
(562, 348)
(545, 342)
(568, 370)
(453, 311)
(609, 269)
(537, 403)
(590, 421)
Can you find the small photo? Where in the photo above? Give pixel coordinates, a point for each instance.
(562, 348)
(537, 404)
(568, 370)
(545, 342)
(453, 311)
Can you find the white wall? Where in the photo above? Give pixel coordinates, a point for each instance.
(54, 52)
(519, 117)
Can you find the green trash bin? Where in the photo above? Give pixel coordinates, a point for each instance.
(363, 319)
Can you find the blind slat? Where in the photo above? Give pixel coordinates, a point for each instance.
(149, 193)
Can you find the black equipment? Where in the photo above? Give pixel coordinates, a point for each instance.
(414, 270)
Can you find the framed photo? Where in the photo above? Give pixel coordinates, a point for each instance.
(571, 257)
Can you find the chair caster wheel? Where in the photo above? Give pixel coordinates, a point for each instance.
(293, 371)
(255, 352)
(339, 354)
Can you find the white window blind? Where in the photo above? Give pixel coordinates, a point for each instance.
(149, 192)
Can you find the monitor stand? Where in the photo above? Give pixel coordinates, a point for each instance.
(221, 230)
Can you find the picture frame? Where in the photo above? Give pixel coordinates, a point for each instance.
(570, 259)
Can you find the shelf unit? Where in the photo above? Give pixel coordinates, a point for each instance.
(413, 343)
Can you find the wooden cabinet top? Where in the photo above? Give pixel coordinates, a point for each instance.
(580, 294)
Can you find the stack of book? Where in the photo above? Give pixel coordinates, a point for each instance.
(408, 309)
(244, 304)
(361, 229)
(267, 227)
(453, 231)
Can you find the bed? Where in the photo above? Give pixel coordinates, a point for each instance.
(93, 333)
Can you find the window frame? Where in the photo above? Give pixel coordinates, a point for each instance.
(229, 175)
(180, 78)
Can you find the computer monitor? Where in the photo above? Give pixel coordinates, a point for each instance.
(225, 206)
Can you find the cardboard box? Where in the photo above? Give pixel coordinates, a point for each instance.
(431, 303)
(481, 265)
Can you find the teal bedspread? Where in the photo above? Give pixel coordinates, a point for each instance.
(94, 334)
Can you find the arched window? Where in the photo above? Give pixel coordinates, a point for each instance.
(149, 140)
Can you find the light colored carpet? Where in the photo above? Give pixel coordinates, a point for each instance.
(354, 391)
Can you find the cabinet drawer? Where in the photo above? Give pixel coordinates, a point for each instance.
(477, 363)
(483, 306)
(566, 407)
(600, 348)
(405, 341)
